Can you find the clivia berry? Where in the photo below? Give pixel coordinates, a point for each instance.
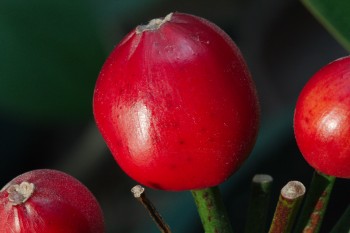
(322, 119)
(176, 104)
(45, 200)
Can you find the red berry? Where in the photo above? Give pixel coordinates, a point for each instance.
(43, 201)
(322, 119)
(176, 104)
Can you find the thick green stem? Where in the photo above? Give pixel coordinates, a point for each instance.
(212, 210)
(259, 203)
(343, 224)
(287, 207)
(315, 204)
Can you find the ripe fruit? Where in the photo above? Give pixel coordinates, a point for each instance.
(43, 201)
(322, 119)
(176, 104)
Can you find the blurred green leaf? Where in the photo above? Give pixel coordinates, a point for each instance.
(50, 56)
(335, 17)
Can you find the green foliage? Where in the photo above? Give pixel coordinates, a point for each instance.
(50, 58)
(334, 15)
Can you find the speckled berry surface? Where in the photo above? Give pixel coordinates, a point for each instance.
(322, 119)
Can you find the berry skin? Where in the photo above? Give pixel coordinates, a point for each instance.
(322, 119)
(42, 201)
(176, 104)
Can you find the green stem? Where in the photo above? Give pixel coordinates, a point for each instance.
(287, 207)
(212, 210)
(315, 204)
(343, 224)
(259, 203)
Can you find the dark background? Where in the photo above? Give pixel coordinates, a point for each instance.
(50, 56)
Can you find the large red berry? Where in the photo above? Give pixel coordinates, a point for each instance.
(176, 104)
(48, 201)
(322, 119)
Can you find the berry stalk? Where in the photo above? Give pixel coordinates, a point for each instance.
(211, 210)
(139, 193)
(287, 207)
(259, 203)
(316, 203)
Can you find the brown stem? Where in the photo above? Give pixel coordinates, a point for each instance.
(139, 194)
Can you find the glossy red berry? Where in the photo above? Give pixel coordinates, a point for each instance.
(322, 119)
(43, 201)
(176, 104)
